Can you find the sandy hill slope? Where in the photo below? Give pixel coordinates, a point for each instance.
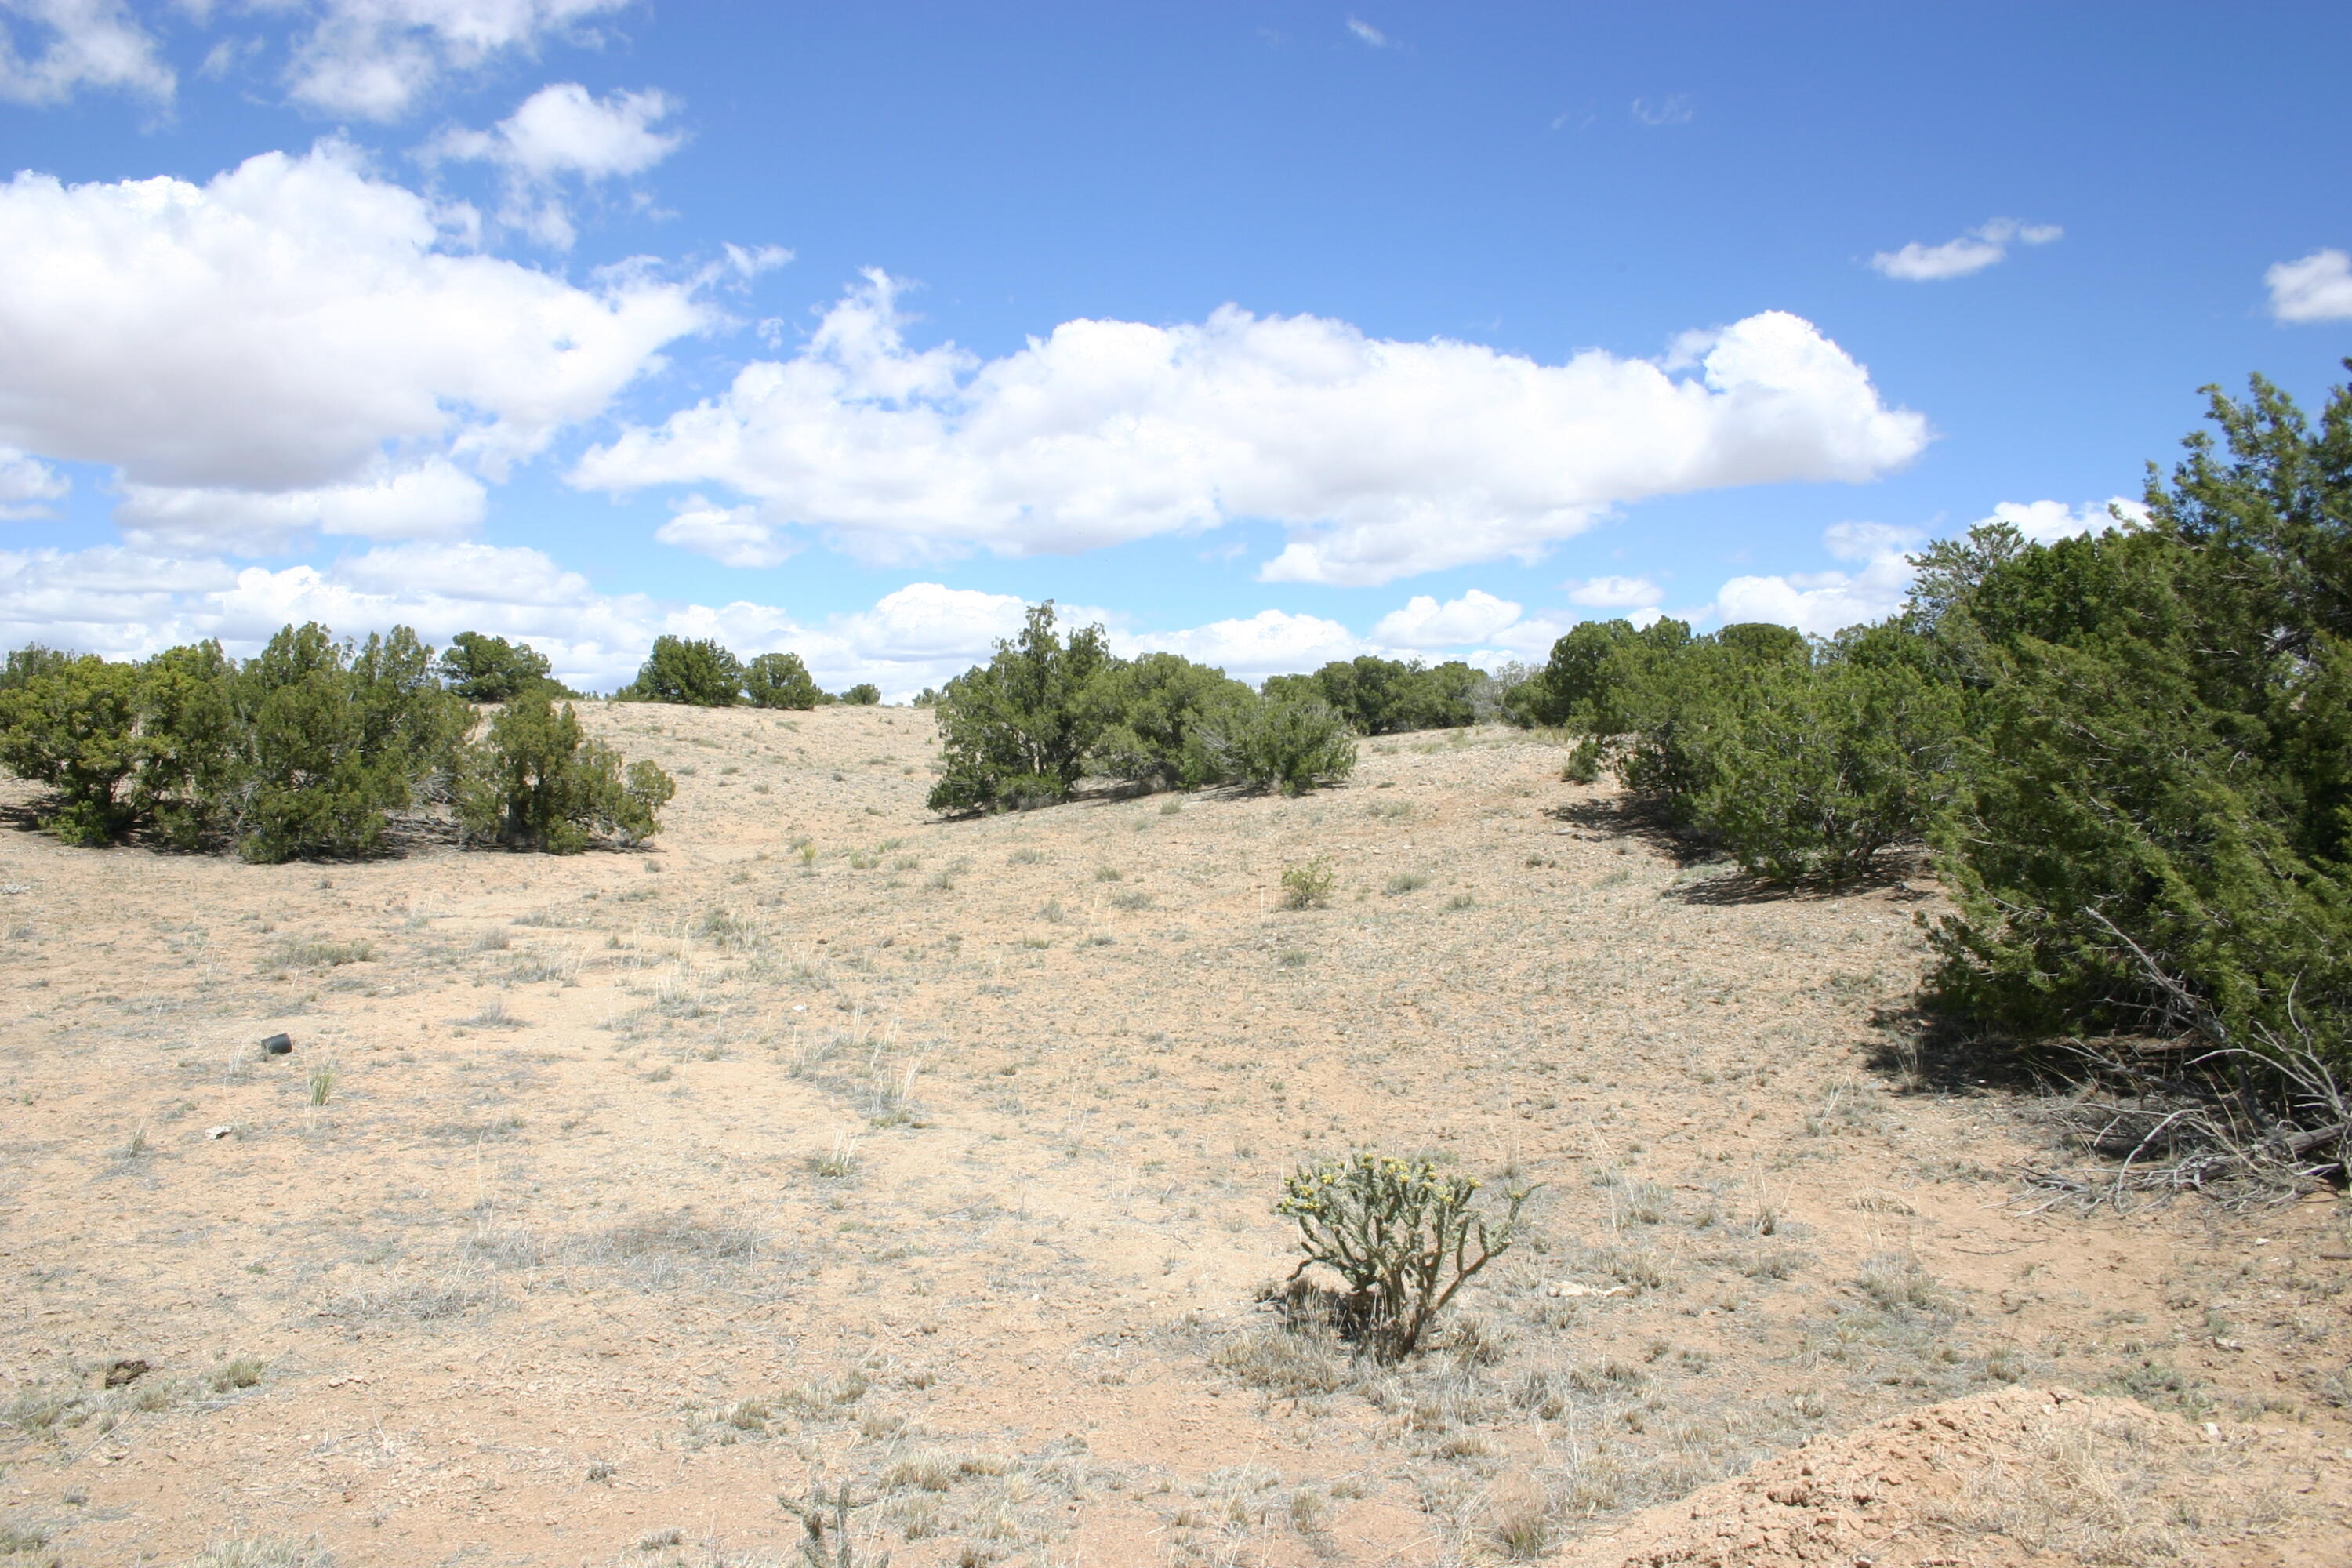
(827, 1141)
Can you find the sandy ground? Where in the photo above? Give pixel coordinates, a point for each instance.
(826, 1143)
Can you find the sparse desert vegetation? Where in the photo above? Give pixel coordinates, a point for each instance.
(636, 1201)
(1443, 1153)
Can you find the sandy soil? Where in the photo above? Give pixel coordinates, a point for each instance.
(826, 1143)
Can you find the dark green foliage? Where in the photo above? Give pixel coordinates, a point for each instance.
(340, 740)
(491, 669)
(309, 748)
(196, 745)
(779, 680)
(71, 723)
(2156, 784)
(865, 694)
(698, 673)
(1817, 770)
(1578, 686)
(29, 661)
(535, 782)
(1016, 731)
(1802, 762)
(1021, 730)
(1376, 695)
(1283, 742)
(1152, 710)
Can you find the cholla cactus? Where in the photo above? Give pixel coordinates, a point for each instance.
(1403, 1233)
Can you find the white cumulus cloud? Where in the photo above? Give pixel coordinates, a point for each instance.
(1423, 622)
(2318, 288)
(1614, 593)
(28, 485)
(1971, 252)
(1820, 604)
(562, 134)
(373, 58)
(428, 499)
(292, 329)
(2046, 522)
(730, 535)
(81, 43)
(1383, 458)
(1272, 642)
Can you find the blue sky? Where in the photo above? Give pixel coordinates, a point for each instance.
(1267, 333)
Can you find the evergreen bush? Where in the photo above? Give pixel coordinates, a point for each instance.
(1017, 730)
(72, 724)
(1283, 743)
(534, 782)
(779, 680)
(696, 673)
(491, 669)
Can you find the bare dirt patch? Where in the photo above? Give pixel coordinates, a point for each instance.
(826, 1143)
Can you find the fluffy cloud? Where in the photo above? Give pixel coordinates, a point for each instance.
(732, 536)
(1365, 33)
(1820, 604)
(1383, 458)
(564, 134)
(83, 43)
(428, 500)
(2316, 289)
(1423, 622)
(28, 485)
(373, 58)
(289, 339)
(1272, 642)
(1614, 593)
(1972, 252)
(2045, 521)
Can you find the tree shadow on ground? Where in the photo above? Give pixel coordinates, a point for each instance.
(1920, 1050)
(1890, 874)
(1624, 817)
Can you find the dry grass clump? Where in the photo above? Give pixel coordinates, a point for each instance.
(680, 1235)
(270, 1552)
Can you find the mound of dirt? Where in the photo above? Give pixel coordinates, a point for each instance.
(2023, 1475)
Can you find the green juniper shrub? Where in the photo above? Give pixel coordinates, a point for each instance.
(1375, 695)
(340, 738)
(1284, 742)
(534, 782)
(1016, 731)
(1404, 1235)
(2155, 811)
(696, 673)
(1152, 710)
(865, 694)
(23, 663)
(195, 746)
(72, 723)
(1820, 769)
(491, 669)
(1590, 670)
(779, 680)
